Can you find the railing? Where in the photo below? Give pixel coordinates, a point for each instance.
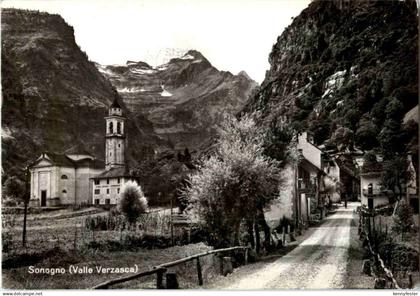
(162, 268)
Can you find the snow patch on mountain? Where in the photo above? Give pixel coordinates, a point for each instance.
(130, 89)
(142, 71)
(164, 92)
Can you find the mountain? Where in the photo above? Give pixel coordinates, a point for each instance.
(53, 96)
(346, 71)
(183, 99)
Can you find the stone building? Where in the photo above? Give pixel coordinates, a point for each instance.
(107, 185)
(76, 177)
(63, 179)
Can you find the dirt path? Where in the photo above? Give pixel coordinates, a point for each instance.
(319, 262)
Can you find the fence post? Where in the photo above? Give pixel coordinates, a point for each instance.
(159, 279)
(199, 274)
(246, 256)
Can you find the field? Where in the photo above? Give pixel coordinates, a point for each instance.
(60, 239)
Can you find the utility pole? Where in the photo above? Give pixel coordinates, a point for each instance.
(26, 201)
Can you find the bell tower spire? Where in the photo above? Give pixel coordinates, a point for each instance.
(115, 137)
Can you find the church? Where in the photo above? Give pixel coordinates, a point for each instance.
(77, 177)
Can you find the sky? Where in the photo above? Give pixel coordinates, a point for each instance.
(234, 35)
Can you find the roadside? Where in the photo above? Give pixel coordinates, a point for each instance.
(355, 278)
(317, 261)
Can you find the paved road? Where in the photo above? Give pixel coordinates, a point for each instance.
(319, 262)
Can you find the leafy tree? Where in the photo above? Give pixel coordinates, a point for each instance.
(234, 184)
(277, 140)
(366, 134)
(342, 138)
(403, 220)
(390, 137)
(394, 176)
(132, 202)
(395, 110)
(14, 188)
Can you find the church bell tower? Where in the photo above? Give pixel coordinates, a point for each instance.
(115, 137)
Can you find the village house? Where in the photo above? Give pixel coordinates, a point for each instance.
(303, 192)
(76, 177)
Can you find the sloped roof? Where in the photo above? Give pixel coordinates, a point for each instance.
(306, 162)
(115, 173)
(60, 159)
(115, 104)
(63, 160)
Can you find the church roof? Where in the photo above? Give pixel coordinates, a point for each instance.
(115, 173)
(115, 104)
(60, 159)
(77, 149)
(63, 160)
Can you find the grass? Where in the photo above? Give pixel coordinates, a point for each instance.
(60, 239)
(20, 278)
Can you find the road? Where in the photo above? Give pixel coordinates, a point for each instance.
(318, 262)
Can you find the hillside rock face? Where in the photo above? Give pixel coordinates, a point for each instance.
(184, 98)
(339, 65)
(53, 96)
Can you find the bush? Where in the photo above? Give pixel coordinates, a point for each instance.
(403, 221)
(132, 202)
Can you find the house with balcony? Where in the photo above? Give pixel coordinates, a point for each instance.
(310, 195)
(372, 194)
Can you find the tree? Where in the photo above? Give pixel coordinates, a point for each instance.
(132, 202)
(14, 188)
(390, 137)
(343, 138)
(403, 220)
(366, 134)
(395, 175)
(235, 183)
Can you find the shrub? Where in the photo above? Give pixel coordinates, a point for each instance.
(403, 221)
(132, 202)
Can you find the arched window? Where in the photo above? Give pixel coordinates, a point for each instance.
(111, 128)
(118, 127)
(64, 177)
(64, 191)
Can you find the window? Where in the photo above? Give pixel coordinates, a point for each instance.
(118, 127)
(118, 180)
(370, 189)
(97, 191)
(107, 181)
(118, 190)
(96, 201)
(96, 181)
(64, 191)
(111, 128)
(107, 191)
(107, 201)
(64, 177)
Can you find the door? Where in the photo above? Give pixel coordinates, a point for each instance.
(370, 203)
(43, 198)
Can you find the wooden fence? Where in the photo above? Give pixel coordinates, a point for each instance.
(162, 268)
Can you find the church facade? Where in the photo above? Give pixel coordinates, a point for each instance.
(76, 177)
